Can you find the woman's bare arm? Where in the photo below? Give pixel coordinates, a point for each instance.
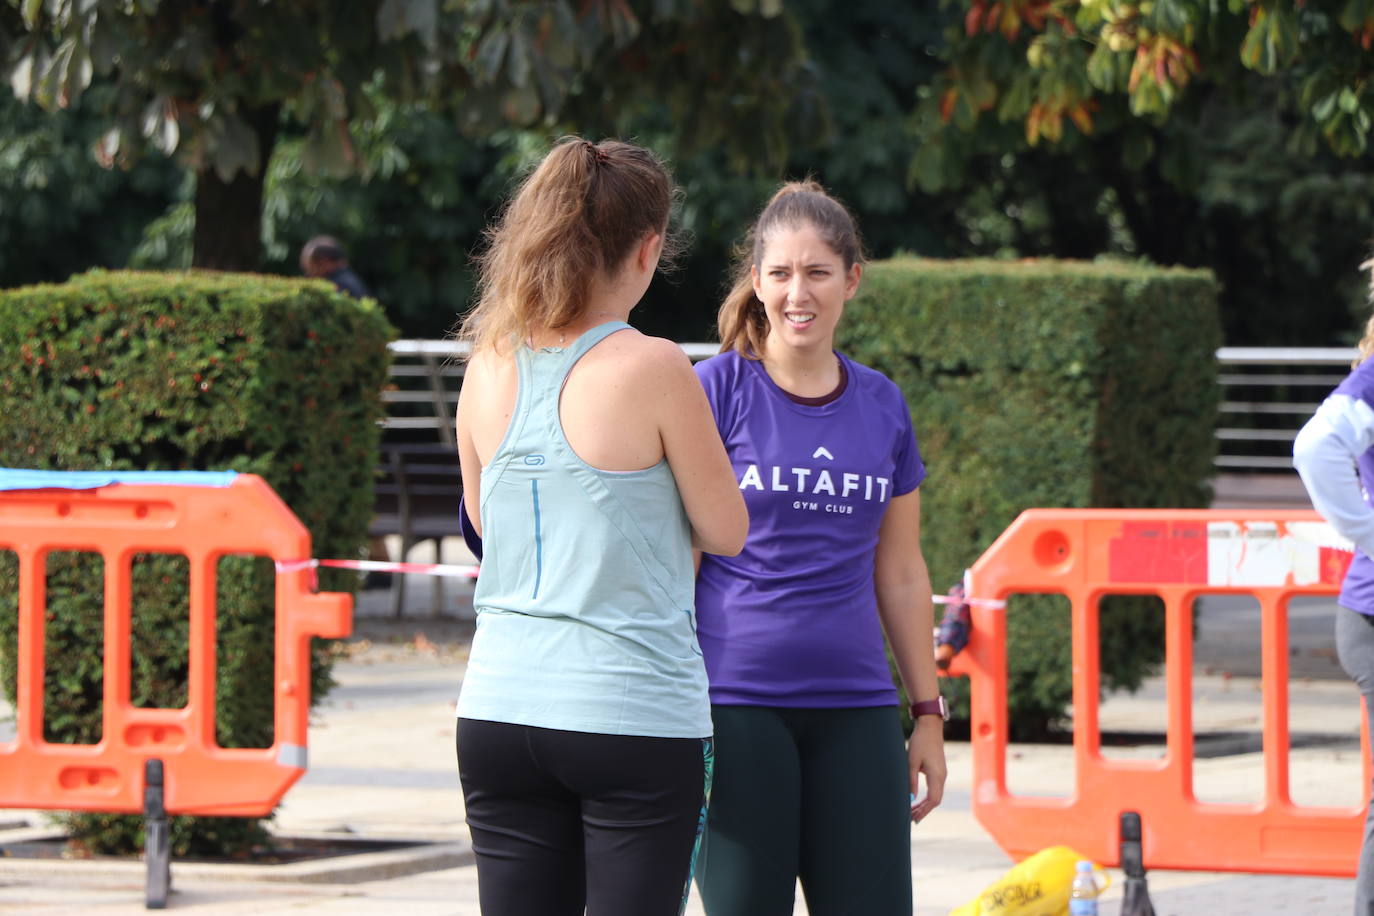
(908, 617)
(468, 461)
(692, 445)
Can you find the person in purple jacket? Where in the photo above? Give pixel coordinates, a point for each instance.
(1333, 456)
(813, 778)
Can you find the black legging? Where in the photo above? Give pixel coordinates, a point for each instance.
(817, 794)
(564, 820)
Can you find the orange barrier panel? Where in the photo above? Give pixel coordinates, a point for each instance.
(1177, 555)
(202, 524)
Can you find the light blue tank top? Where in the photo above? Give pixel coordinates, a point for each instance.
(585, 617)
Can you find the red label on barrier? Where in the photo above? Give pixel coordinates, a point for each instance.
(1158, 552)
(1334, 563)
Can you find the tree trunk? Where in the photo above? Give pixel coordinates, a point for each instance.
(228, 233)
(1165, 222)
(1076, 229)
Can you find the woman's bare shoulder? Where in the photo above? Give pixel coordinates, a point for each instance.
(486, 363)
(649, 356)
(476, 364)
(485, 375)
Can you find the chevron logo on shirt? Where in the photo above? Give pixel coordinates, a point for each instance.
(823, 452)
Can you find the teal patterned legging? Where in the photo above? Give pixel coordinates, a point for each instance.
(816, 794)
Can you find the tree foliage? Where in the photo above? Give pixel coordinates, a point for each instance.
(60, 212)
(1054, 65)
(916, 122)
(1181, 131)
(189, 75)
(214, 81)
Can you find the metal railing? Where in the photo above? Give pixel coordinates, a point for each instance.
(425, 378)
(1267, 394)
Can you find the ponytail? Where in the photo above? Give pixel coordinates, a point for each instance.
(1366, 344)
(741, 321)
(575, 218)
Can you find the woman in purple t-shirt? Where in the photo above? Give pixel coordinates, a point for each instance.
(1334, 454)
(813, 779)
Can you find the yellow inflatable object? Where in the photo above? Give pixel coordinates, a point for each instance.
(1037, 886)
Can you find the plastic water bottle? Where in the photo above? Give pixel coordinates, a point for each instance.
(1083, 892)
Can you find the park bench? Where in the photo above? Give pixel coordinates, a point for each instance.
(418, 479)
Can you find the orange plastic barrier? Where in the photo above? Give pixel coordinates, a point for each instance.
(1177, 555)
(202, 524)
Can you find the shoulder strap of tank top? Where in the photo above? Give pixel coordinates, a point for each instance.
(578, 348)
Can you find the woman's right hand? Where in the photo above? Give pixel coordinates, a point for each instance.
(926, 757)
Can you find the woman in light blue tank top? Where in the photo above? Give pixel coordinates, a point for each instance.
(592, 467)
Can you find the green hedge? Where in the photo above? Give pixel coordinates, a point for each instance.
(1047, 384)
(201, 371)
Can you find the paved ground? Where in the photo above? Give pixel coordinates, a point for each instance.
(382, 765)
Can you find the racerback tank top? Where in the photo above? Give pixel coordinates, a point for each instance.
(585, 618)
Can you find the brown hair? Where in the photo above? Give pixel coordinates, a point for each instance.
(577, 215)
(741, 321)
(1366, 344)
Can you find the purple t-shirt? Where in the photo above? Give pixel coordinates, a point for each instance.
(1357, 590)
(793, 620)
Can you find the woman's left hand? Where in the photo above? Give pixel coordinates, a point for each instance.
(926, 754)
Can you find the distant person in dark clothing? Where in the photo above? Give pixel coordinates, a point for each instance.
(324, 257)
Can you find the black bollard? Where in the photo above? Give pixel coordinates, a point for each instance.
(1135, 894)
(157, 851)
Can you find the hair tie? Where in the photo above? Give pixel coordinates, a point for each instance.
(597, 152)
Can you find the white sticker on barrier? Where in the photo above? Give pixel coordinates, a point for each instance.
(1263, 553)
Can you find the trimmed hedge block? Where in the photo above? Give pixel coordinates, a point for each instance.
(198, 371)
(1047, 384)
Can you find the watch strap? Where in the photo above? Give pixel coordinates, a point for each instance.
(935, 707)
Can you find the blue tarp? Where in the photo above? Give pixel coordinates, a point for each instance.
(23, 479)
